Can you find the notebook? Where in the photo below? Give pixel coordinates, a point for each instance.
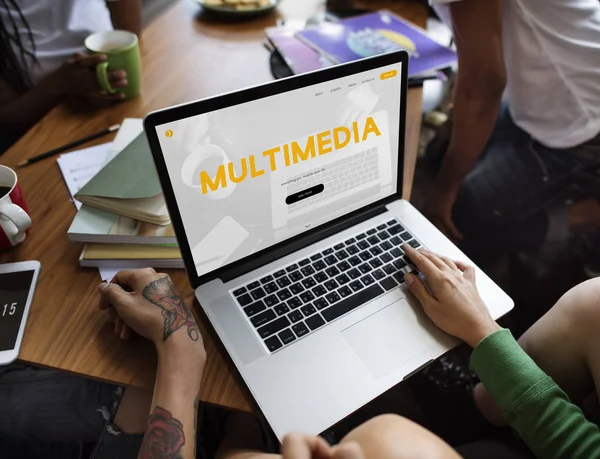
(377, 33)
(78, 167)
(95, 225)
(128, 186)
(130, 256)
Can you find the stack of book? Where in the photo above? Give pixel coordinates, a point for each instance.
(346, 40)
(123, 219)
(116, 241)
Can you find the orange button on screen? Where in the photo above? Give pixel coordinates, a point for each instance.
(389, 74)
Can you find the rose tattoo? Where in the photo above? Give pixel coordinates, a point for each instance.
(164, 436)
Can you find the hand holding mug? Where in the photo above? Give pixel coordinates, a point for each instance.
(14, 220)
(119, 71)
(77, 77)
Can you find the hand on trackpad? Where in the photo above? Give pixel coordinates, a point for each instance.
(390, 337)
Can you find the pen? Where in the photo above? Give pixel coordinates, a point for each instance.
(73, 144)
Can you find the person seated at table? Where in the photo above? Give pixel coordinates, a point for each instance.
(148, 304)
(530, 387)
(505, 167)
(514, 389)
(47, 413)
(145, 302)
(42, 59)
(564, 342)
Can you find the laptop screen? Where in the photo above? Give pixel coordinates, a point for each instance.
(252, 175)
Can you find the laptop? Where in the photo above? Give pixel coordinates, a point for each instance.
(286, 203)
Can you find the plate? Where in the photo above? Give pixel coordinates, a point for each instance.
(239, 7)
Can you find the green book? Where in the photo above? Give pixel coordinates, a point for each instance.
(128, 185)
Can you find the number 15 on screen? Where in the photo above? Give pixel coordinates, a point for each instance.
(9, 310)
(17, 284)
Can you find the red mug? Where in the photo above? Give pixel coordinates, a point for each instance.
(14, 220)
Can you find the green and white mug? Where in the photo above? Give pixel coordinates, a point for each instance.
(122, 50)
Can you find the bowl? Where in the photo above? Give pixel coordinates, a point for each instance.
(238, 7)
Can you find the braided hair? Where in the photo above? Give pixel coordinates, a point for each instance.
(13, 53)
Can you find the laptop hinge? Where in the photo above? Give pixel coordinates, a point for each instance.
(416, 370)
(296, 245)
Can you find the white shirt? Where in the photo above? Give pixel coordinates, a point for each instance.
(59, 28)
(552, 58)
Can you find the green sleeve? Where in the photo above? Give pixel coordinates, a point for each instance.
(532, 402)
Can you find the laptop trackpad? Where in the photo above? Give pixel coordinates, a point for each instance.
(387, 339)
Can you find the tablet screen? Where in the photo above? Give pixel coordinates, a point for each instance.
(14, 290)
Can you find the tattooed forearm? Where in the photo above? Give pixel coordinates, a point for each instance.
(164, 436)
(161, 293)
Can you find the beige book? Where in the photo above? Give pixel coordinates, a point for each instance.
(130, 256)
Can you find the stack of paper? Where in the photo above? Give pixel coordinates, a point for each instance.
(124, 221)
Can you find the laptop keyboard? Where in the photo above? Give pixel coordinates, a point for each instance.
(298, 299)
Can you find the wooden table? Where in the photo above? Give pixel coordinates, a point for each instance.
(186, 56)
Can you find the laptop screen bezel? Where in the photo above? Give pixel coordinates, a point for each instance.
(157, 118)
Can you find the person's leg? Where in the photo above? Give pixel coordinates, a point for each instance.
(387, 436)
(394, 437)
(493, 197)
(12, 447)
(132, 414)
(564, 343)
(505, 196)
(502, 199)
(53, 410)
(126, 421)
(581, 187)
(52, 406)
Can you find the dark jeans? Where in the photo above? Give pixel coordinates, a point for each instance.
(51, 414)
(502, 205)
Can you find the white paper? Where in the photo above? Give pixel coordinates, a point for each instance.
(130, 129)
(78, 167)
(108, 273)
